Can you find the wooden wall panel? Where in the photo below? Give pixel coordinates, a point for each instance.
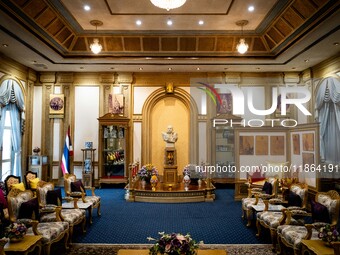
(132, 44)
(225, 43)
(151, 43)
(187, 43)
(206, 43)
(114, 43)
(169, 43)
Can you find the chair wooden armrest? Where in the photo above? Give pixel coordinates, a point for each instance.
(3, 242)
(309, 231)
(336, 247)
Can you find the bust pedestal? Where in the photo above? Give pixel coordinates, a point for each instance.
(170, 175)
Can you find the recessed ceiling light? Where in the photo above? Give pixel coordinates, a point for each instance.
(293, 68)
(258, 68)
(306, 60)
(169, 68)
(226, 68)
(112, 68)
(169, 22)
(138, 22)
(5, 45)
(201, 22)
(148, 58)
(141, 68)
(81, 68)
(336, 44)
(198, 69)
(251, 8)
(169, 58)
(87, 7)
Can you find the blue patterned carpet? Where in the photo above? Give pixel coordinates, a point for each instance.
(130, 223)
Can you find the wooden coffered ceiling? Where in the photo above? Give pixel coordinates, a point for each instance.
(64, 27)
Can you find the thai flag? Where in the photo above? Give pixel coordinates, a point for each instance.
(68, 151)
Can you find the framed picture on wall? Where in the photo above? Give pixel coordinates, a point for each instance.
(246, 145)
(307, 159)
(308, 141)
(278, 112)
(277, 145)
(116, 103)
(56, 105)
(227, 103)
(296, 144)
(261, 145)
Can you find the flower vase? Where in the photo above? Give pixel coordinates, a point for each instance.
(199, 183)
(153, 185)
(154, 181)
(16, 239)
(143, 184)
(186, 180)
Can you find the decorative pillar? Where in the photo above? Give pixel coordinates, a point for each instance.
(48, 80)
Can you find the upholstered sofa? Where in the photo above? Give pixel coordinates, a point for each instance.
(74, 188)
(297, 202)
(257, 195)
(290, 236)
(72, 216)
(19, 205)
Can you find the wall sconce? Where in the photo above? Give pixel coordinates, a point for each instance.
(96, 47)
(242, 46)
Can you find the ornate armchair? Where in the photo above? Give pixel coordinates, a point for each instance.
(31, 180)
(257, 195)
(325, 210)
(74, 188)
(47, 193)
(297, 202)
(19, 205)
(13, 181)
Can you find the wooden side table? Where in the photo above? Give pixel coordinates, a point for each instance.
(315, 247)
(27, 245)
(146, 252)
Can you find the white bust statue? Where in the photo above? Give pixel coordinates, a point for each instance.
(170, 137)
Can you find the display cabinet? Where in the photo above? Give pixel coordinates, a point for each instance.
(88, 167)
(39, 164)
(114, 145)
(223, 151)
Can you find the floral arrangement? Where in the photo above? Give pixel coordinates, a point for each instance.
(147, 171)
(174, 244)
(16, 230)
(329, 234)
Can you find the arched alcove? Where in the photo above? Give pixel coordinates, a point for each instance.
(177, 109)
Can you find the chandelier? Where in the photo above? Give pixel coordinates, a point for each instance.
(242, 46)
(168, 4)
(96, 47)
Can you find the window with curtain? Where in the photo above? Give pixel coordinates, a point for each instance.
(328, 108)
(12, 122)
(6, 148)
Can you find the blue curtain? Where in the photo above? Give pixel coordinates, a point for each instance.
(12, 99)
(328, 107)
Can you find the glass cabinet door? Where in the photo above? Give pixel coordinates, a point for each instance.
(113, 151)
(224, 155)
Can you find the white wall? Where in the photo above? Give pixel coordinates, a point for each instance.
(37, 117)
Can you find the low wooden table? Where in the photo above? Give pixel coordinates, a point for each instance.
(146, 252)
(315, 247)
(25, 246)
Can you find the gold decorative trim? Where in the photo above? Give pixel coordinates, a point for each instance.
(191, 106)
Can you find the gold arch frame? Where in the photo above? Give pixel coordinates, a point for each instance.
(191, 106)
